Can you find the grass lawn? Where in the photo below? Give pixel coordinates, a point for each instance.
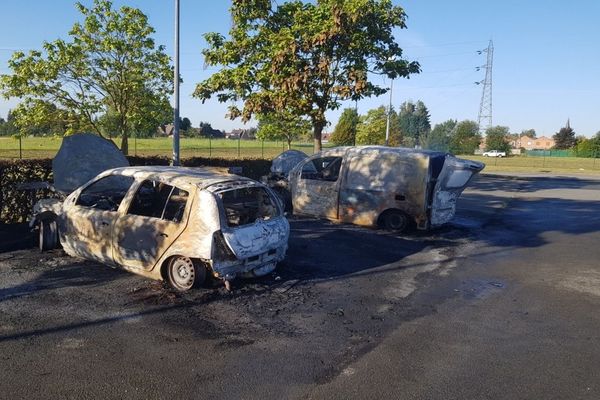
(539, 164)
(39, 147)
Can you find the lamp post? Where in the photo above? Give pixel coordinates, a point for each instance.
(176, 90)
(387, 128)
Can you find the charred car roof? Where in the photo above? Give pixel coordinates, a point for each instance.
(181, 176)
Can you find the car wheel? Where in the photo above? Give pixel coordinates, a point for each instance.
(395, 220)
(48, 237)
(183, 274)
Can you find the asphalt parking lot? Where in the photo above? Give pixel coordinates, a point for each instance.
(501, 303)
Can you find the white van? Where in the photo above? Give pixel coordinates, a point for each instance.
(381, 186)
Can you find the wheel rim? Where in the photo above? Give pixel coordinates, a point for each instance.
(396, 221)
(47, 235)
(182, 273)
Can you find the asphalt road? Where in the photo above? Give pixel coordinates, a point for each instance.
(501, 304)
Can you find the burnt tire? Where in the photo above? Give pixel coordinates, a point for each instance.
(48, 235)
(182, 273)
(395, 220)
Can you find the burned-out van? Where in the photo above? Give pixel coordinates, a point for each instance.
(380, 186)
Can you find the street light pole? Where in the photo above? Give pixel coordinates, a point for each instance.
(387, 128)
(176, 90)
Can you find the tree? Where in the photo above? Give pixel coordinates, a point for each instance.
(441, 135)
(344, 133)
(466, 138)
(207, 130)
(565, 138)
(281, 126)
(185, 124)
(529, 133)
(304, 58)
(495, 139)
(588, 147)
(372, 127)
(7, 127)
(110, 66)
(414, 122)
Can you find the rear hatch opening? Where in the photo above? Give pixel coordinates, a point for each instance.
(253, 230)
(246, 205)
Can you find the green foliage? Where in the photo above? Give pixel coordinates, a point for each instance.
(528, 132)
(7, 127)
(111, 66)
(441, 135)
(185, 124)
(281, 126)
(344, 132)
(206, 130)
(466, 138)
(414, 122)
(371, 129)
(496, 139)
(16, 205)
(303, 58)
(588, 147)
(565, 138)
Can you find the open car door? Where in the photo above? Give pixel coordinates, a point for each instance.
(454, 177)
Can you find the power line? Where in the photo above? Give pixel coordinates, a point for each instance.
(446, 55)
(442, 44)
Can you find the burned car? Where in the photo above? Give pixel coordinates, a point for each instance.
(169, 223)
(376, 186)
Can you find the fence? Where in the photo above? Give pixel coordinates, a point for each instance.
(46, 147)
(551, 153)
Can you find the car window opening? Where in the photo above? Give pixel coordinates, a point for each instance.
(158, 200)
(245, 206)
(322, 169)
(105, 194)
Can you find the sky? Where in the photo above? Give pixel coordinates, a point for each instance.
(546, 66)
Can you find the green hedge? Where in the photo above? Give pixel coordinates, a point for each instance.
(16, 204)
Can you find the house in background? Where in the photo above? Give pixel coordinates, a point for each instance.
(166, 130)
(537, 143)
(528, 143)
(243, 134)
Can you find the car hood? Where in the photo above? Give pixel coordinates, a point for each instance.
(286, 161)
(81, 157)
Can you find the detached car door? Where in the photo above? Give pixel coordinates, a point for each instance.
(155, 217)
(316, 190)
(89, 217)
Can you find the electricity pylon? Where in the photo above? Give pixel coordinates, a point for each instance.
(484, 120)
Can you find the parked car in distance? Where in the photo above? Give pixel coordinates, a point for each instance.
(389, 187)
(494, 153)
(169, 223)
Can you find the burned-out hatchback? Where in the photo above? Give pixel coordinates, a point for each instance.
(171, 223)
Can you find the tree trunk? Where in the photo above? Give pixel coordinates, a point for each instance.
(289, 142)
(317, 130)
(124, 144)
